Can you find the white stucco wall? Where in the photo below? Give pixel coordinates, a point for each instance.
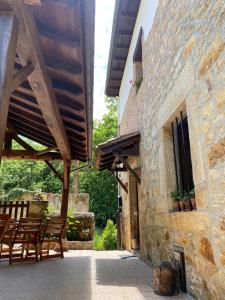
(145, 20)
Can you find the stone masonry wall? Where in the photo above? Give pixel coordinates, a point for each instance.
(183, 69)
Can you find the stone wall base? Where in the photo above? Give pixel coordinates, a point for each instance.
(80, 245)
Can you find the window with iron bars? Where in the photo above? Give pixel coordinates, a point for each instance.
(182, 154)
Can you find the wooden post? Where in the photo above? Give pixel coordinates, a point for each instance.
(65, 191)
(8, 43)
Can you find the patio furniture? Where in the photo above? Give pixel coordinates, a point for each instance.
(52, 232)
(16, 210)
(7, 235)
(4, 219)
(24, 234)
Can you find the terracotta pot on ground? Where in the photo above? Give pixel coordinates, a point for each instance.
(193, 203)
(176, 206)
(181, 205)
(187, 205)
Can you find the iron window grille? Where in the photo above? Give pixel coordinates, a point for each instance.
(182, 154)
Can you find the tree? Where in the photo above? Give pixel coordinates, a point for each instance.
(102, 186)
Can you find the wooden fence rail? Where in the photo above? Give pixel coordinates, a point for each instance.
(16, 210)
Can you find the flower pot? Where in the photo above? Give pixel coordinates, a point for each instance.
(176, 206)
(181, 205)
(187, 205)
(193, 203)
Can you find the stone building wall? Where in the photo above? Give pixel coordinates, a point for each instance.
(183, 69)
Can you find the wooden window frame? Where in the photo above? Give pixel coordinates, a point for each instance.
(182, 154)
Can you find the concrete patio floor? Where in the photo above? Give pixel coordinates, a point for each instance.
(81, 275)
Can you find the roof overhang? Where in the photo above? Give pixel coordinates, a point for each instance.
(61, 45)
(123, 26)
(113, 153)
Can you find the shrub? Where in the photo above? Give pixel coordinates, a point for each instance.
(109, 236)
(76, 231)
(98, 240)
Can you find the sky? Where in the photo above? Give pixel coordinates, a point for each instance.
(103, 28)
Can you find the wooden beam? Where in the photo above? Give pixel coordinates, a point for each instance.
(69, 39)
(120, 182)
(21, 75)
(65, 191)
(68, 114)
(56, 63)
(29, 50)
(47, 150)
(26, 146)
(126, 164)
(8, 43)
(132, 151)
(53, 169)
(29, 155)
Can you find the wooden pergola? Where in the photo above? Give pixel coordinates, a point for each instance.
(46, 81)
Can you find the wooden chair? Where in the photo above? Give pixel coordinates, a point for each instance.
(4, 219)
(8, 227)
(52, 232)
(25, 233)
(29, 225)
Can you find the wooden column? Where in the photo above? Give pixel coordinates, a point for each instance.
(65, 191)
(8, 43)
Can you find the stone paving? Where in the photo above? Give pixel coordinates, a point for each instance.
(81, 275)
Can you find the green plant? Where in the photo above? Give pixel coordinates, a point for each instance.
(138, 83)
(98, 240)
(109, 236)
(76, 231)
(175, 195)
(192, 193)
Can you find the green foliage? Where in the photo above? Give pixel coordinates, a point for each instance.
(102, 186)
(107, 128)
(28, 175)
(98, 240)
(102, 189)
(109, 236)
(76, 231)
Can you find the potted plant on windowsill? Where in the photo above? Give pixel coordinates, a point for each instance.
(175, 197)
(187, 201)
(192, 197)
(181, 200)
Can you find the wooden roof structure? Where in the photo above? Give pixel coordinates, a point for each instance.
(51, 92)
(123, 26)
(114, 153)
(46, 81)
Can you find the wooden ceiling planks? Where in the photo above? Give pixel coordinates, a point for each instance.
(61, 26)
(123, 25)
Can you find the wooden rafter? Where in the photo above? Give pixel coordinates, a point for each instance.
(29, 50)
(120, 182)
(47, 150)
(21, 75)
(8, 42)
(65, 38)
(29, 155)
(129, 168)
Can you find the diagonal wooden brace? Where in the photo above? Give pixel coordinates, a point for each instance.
(129, 168)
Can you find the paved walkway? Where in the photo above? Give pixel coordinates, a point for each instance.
(81, 275)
